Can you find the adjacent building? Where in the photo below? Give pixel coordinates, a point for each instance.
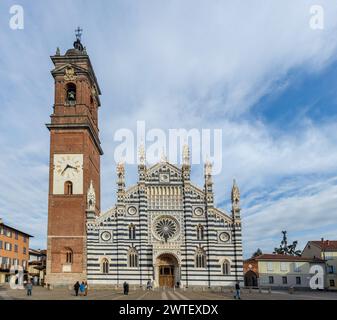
(280, 271)
(14, 250)
(37, 266)
(327, 251)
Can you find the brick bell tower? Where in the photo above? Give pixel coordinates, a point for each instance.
(75, 152)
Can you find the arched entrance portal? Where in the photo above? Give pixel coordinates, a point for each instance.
(168, 270)
(250, 279)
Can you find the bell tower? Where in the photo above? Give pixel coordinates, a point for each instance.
(75, 152)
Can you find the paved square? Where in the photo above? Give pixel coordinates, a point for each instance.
(40, 293)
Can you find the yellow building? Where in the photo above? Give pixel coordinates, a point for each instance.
(282, 271)
(326, 250)
(14, 250)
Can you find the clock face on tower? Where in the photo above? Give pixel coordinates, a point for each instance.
(68, 168)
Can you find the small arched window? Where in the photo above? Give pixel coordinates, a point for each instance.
(200, 232)
(105, 266)
(133, 258)
(69, 256)
(200, 259)
(132, 231)
(226, 268)
(71, 94)
(68, 188)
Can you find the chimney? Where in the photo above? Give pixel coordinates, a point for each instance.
(1, 222)
(327, 242)
(322, 239)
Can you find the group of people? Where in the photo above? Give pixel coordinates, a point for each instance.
(81, 289)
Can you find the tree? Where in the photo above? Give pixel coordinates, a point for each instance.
(287, 249)
(257, 253)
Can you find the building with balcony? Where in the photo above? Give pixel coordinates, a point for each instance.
(14, 250)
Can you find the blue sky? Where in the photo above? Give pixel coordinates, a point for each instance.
(257, 70)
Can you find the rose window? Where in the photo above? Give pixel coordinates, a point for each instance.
(166, 228)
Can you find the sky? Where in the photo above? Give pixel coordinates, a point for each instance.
(256, 69)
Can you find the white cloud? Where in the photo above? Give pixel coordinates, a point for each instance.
(307, 213)
(176, 64)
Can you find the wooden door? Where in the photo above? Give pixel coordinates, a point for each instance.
(166, 276)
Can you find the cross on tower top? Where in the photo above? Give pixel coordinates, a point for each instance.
(77, 44)
(78, 33)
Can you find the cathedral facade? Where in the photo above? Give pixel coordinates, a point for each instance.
(164, 228)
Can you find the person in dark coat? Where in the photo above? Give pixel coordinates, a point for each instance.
(149, 285)
(76, 287)
(125, 285)
(237, 291)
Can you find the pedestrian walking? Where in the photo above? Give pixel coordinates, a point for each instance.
(76, 288)
(29, 288)
(149, 285)
(237, 291)
(82, 289)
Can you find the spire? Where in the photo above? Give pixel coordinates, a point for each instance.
(142, 154)
(186, 166)
(208, 170)
(235, 193)
(91, 197)
(209, 184)
(186, 155)
(120, 183)
(120, 171)
(141, 163)
(235, 200)
(91, 202)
